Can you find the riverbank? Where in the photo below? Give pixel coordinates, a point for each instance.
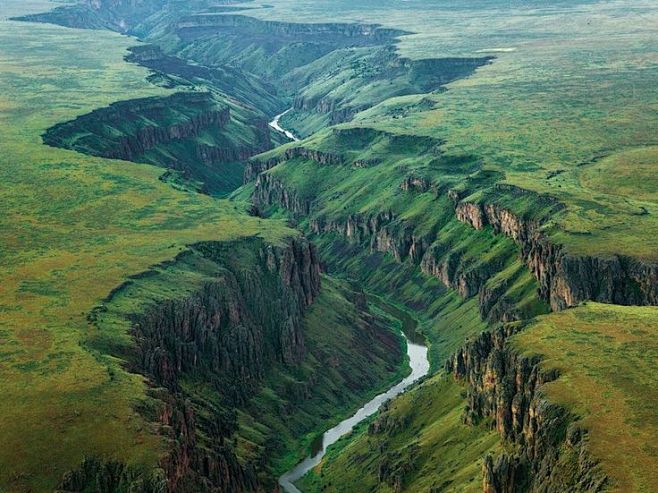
(419, 365)
(277, 126)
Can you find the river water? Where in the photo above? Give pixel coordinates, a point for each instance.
(275, 125)
(419, 367)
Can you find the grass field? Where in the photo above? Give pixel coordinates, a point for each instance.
(73, 228)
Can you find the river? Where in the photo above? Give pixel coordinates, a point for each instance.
(420, 366)
(275, 125)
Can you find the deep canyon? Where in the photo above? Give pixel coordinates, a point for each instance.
(328, 247)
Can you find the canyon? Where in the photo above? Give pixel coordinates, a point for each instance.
(252, 204)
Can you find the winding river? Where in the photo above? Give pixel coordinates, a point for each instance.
(420, 366)
(276, 126)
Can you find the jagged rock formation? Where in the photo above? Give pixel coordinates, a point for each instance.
(269, 190)
(564, 279)
(503, 387)
(222, 338)
(226, 335)
(385, 232)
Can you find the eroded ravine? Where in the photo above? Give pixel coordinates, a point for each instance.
(419, 364)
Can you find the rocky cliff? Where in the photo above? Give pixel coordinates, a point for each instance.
(256, 166)
(190, 132)
(550, 451)
(566, 279)
(457, 268)
(226, 335)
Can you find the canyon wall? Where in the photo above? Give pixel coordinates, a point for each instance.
(385, 232)
(567, 279)
(564, 279)
(226, 336)
(550, 452)
(189, 132)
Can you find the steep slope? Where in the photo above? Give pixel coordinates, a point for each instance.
(202, 140)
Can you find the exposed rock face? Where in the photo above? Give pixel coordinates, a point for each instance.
(269, 190)
(227, 335)
(148, 137)
(415, 184)
(255, 167)
(135, 135)
(505, 388)
(348, 34)
(564, 279)
(110, 477)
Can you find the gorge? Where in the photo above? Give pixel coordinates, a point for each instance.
(325, 246)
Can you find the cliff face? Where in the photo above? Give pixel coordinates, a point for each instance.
(385, 232)
(566, 280)
(352, 33)
(269, 191)
(132, 146)
(255, 167)
(505, 388)
(227, 336)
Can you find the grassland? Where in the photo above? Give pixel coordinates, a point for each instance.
(74, 227)
(607, 357)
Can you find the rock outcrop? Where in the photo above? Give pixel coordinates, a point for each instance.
(504, 388)
(564, 279)
(189, 132)
(385, 232)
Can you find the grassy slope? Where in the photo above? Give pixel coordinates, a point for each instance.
(441, 451)
(73, 228)
(449, 452)
(608, 360)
